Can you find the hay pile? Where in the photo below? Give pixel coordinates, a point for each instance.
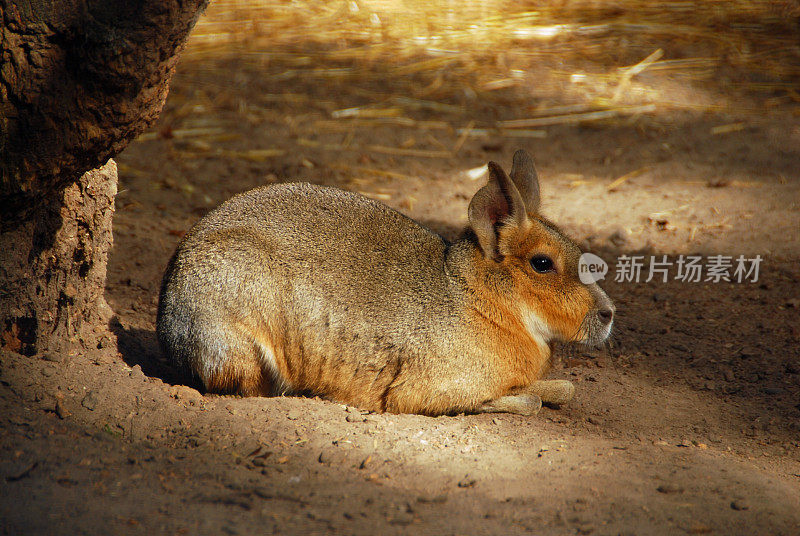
(742, 45)
(446, 71)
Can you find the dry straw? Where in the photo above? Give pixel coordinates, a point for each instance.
(690, 38)
(422, 65)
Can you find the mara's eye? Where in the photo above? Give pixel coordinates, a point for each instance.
(542, 264)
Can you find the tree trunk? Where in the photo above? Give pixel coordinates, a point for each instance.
(54, 268)
(78, 80)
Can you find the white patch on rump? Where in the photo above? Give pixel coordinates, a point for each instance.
(280, 386)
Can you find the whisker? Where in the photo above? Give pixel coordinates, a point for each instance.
(580, 331)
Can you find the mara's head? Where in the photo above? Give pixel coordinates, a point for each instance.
(530, 264)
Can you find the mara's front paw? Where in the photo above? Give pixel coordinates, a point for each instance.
(525, 404)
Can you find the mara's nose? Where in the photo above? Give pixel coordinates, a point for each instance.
(605, 315)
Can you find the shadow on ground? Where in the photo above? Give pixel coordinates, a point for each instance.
(140, 347)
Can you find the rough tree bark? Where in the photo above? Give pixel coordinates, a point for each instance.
(78, 80)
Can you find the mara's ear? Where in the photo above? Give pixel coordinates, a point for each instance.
(496, 205)
(523, 173)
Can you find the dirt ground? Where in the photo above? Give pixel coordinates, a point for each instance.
(690, 425)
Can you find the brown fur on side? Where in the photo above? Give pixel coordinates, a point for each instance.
(299, 288)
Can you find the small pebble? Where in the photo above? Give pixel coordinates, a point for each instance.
(332, 457)
(402, 519)
(48, 371)
(90, 400)
(60, 410)
(187, 394)
(136, 373)
(355, 417)
(618, 238)
(669, 488)
(104, 342)
(728, 375)
(467, 482)
(260, 461)
(197, 441)
(739, 505)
